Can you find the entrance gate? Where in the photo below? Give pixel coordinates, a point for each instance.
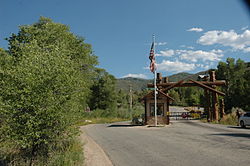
(212, 106)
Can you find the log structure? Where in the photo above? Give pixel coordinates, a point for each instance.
(211, 106)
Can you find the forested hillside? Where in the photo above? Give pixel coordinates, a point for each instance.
(139, 84)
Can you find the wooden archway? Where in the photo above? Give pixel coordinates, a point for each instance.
(210, 92)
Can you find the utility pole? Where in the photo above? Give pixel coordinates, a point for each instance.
(130, 100)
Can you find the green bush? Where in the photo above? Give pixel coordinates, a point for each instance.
(45, 80)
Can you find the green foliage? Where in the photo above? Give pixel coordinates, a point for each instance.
(45, 79)
(138, 84)
(68, 154)
(187, 96)
(179, 76)
(176, 96)
(237, 76)
(103, 92)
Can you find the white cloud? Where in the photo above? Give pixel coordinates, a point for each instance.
(195, 30)
(166, 53)
(195, 55)
(136, 76)
(175, 66)
(244, 28)
(189, 47)
(161, 43)
(202, 66)
(227, 38)
(247, 49)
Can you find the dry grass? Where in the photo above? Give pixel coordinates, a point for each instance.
(99, 120)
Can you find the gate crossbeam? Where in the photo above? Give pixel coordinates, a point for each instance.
(209, 88)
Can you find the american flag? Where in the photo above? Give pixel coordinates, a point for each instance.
(152, 59)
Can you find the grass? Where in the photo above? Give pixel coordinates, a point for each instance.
(100, 120)
(71, 156)
(68, 153)
(229, 119)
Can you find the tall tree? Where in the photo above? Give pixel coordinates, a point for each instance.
(103, 91)
(235, 75)
(45, 81)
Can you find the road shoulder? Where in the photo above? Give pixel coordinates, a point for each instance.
(93, 153)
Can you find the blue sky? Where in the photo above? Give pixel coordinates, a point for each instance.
(191, 35)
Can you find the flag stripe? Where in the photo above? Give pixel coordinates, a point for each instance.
(152, 59)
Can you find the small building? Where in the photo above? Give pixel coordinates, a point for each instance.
(163, 101)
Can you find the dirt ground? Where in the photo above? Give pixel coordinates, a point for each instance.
(93, 153)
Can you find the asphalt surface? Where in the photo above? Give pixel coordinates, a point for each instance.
(183, 143)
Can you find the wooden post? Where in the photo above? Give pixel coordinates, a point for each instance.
(165, 79)
(207, 106)
(145, 116)
(168, 112)
(159, 78)
(222, 108)
(214, 98)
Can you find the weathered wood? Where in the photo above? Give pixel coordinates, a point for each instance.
(208, 87)
(222, 108)
(165, 80)
(188, 84)
(207, 105)
(214, 97)
(166, 94)
(168, 112)
(215, 106)
(173, 85)
(159, 78)
(159, 91)
(210, 91)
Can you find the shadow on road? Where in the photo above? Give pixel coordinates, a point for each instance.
(234, 135)
(122, 125)
(237, 127)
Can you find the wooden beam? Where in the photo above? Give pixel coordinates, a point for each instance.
(173, 85)
(189, 84)
(152, 93)
(164, 94)
(208, 87)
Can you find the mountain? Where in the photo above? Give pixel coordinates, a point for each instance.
(185, 76)
(138, 84)
(178, 77)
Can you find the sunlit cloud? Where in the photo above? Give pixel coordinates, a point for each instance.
(195, 55)
(189, 47)
(175, 66)
(161, 43)
(195, 30)
(227, 38)
(166, 53)
(244, 28)
(143, 76)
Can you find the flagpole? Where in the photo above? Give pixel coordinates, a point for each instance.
(155, 87)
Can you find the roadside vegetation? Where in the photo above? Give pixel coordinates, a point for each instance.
(49, 86)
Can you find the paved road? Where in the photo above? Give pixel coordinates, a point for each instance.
(187, 143)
